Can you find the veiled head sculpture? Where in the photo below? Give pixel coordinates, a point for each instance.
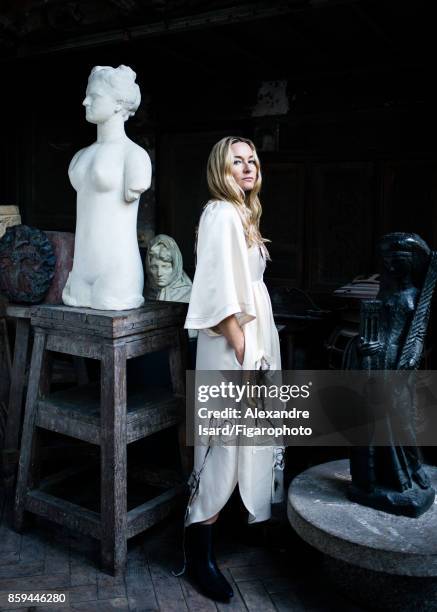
(166, 279)
(110, 91)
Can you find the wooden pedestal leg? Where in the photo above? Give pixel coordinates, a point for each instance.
(15, 404)
(5, 360)
(44, 390)
(27, 439)
(113, 488)
(177, 362)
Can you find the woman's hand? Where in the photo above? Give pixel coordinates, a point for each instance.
(230, 328)
(239, 352)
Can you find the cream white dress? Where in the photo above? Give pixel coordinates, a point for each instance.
(229, 280)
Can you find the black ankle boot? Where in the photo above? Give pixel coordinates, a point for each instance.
(201, 564)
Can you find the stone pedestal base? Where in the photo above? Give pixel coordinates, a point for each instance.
(380, 560)
(412, 503)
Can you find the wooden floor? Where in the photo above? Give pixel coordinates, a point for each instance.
(268, 566)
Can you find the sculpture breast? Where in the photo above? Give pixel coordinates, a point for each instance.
(99, 168)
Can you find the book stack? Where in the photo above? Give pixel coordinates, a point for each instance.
(360, 288)
(9, 216)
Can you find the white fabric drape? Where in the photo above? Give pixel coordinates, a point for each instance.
(229, 280)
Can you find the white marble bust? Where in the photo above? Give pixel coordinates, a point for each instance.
(109, 177)
(166, 279)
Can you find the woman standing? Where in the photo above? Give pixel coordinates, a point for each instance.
(231, 306)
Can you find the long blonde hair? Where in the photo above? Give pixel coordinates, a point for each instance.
(223, 186)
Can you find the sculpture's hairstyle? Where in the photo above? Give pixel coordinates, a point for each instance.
(402, 242)
(122, 82)
(223, 186)
(161, 243)
(160, 251)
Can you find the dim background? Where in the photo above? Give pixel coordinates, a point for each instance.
(338, 96)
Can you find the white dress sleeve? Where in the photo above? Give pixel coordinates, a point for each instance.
(222, 283)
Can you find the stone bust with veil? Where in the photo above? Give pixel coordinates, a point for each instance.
(166, 279)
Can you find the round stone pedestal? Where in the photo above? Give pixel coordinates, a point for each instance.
(378, 559)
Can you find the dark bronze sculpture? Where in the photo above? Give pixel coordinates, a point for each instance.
(27, 264)
(393, 329)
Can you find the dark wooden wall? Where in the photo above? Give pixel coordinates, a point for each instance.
(354, 157)
(323, 212)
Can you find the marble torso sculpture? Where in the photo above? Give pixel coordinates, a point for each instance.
(166, 279)
(393, 329)
(109, 177)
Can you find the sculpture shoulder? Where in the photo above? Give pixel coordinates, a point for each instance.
(138, 171)
(136, 154)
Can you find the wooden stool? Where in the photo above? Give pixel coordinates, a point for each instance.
(21, 315)
(111, 421)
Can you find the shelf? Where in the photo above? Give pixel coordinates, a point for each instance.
(75, 412)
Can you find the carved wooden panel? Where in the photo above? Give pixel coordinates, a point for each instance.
(282, 219)
(341, 223)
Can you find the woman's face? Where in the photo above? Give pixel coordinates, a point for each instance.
(244, 168)
(99, 103)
